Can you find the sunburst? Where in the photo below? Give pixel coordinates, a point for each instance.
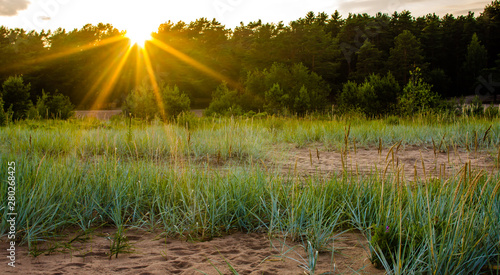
(138, 36)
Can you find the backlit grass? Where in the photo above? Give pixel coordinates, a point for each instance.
(87, 174)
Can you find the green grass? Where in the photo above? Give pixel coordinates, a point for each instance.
(102, 178)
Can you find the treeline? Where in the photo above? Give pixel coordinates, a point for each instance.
(309, 64)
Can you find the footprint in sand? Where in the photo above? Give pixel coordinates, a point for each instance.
(76, 264)
(181, 264)
(179, 251)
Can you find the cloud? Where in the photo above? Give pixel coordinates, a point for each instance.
(12, 7)
(416, 7)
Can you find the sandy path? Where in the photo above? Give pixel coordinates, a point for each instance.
(107, 114)
(247, 253)
(410, 161)
(99, 114)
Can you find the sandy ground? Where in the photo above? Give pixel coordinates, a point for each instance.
(99, 114)
(107, 114)
(408, 162)
(250, 253)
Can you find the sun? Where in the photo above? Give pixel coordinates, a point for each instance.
(138, 36)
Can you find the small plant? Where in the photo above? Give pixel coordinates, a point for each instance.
(119, 243)
(383, 239)
(312, 258)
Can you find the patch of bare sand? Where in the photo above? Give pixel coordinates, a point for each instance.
(411, 162)
(247, 253)
(99, 114)
(107, 114)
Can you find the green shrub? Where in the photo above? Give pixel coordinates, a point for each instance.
(141, 103)
(174, 101)
(16, 96)
(294, 89)
(355, 97)
(376, 95)
(279, 89)
(3, 114)
(224, 102)
(52, 106)
(417, 96)
(262, 115)
(167, 103)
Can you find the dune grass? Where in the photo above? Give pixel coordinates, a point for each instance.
(87, 174)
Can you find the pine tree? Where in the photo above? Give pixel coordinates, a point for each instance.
(406, 55)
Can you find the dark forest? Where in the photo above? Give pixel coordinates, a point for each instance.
(96, 67)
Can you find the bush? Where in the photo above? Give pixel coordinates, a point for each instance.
(146, 103)
(356, 97)
(3, 114)
(278, 89)
(53, 106)
(224, 102)
(417, 96)
(174, 101)
(294, 89)
(285, 89)
(376, 95)
(16, 96)
(141, 103)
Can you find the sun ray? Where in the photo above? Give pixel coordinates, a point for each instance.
(154, 83)
(101, 78)
(54, 56)
(190, 61)
(112, 81)
(107, 71)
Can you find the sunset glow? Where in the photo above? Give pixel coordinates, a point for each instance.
(138, 36)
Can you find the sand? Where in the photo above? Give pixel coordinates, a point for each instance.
(251, 253)
(410, 162)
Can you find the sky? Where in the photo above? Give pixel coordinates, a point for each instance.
(147, 15)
